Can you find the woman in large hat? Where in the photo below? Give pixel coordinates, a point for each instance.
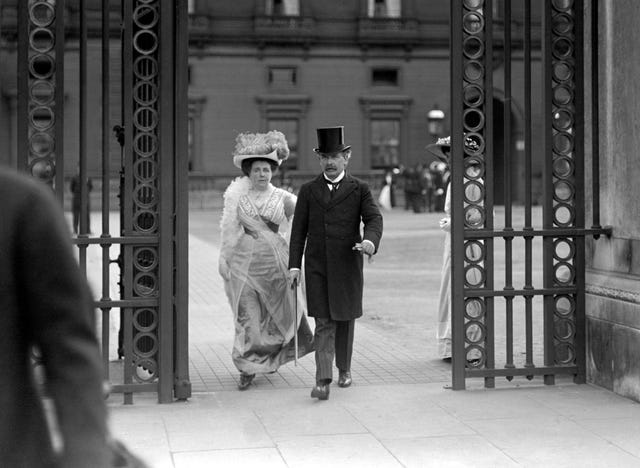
(254, 260)
(442, 150)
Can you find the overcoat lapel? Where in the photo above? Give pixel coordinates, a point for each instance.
(320, 191)
(347, 186)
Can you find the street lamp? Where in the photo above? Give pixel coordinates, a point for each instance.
(435, 122)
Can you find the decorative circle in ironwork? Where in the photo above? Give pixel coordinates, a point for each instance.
(145, 344)
(145, 320)
(41, 40)
(145, 119)
(562, 167)
(42, 13)
(474, 276)
(41, 144)
(473, 120)
(145, 67)
(145, 284)
(145, 16)
(562, 120)
(562, 95)
(564, 273)
(563, 190)
(473, 4)
(562, 48)
(475, 356)
(145, 41)
(145, 370)
(145, 258)
(562, 5)
(474, 332)
(473, 71)
(42, 66)
(145, 170)
(473, 47)
(473, 95)
(563, 143)
(42, 168)
(145, 144)
(563, 249)
(473, 191)
(473, 23)
(474, 308)
(145, 93)
(565, 353)
(564, 329)
(41, 118)
(474, 216)
(145, 220)
(474, 251)
(145, 195)
(562, 71)
(565, 305)
(42, 92)
(563, 214)
(478, 148)
(473, 168)
(562, 24)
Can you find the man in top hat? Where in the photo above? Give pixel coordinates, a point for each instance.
(326, 230)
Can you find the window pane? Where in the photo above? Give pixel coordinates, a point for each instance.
(290, 129)
(384, 8)
(283, 7)
(385, 143)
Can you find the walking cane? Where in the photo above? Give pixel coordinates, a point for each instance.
(294, 287)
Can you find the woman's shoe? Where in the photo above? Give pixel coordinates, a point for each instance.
(245, 381)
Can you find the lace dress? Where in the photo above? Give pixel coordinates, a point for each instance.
(258, 290)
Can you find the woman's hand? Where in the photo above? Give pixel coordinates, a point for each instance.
(223, 269)
(445, 224)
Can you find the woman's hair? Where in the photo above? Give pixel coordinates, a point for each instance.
(247, 163)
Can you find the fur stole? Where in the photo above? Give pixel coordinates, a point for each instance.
(230, 227)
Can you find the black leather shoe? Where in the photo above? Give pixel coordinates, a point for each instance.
(321, 392)
(344, 380)
(245, 381)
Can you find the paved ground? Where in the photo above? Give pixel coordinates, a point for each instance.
(397, 413)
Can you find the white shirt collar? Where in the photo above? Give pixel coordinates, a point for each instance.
(336, 180)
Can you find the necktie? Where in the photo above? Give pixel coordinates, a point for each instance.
(334, 187)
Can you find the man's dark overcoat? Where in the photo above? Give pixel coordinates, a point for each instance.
(325, 230)
(45, 302)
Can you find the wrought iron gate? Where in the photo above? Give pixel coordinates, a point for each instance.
(483, 314)
(150, 245)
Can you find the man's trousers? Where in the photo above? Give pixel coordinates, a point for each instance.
(332, 338)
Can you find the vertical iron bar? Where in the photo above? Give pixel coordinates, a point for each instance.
(489, 382)
(579, 262)
(595, 117)
(166, 148)
(457, 215)
(182, 383)
(508, 241)
(528, 240)
(59, 106)
(23, 87)
(82, 147)
(547, 212)
(106, 178)
(128, 353)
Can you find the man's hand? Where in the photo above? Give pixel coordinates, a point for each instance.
(294, 277)
(366, 247)
(223, 269)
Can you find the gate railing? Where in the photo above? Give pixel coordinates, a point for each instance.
(551, 313)
(153, 223)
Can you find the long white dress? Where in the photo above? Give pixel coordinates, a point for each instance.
(443, 332)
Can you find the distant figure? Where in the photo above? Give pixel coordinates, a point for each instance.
(254, 260)
(46, 305)
(76, 188)
(326, 231)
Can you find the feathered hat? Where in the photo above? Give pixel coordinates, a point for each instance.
(442, 147)
(271, 146)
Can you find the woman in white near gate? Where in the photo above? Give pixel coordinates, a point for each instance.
(442, 150)
(254, 259)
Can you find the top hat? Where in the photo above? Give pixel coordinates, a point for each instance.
(331, 140)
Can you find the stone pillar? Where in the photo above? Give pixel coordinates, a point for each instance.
(613, 264)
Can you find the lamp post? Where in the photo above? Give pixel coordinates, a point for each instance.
(435, 122)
